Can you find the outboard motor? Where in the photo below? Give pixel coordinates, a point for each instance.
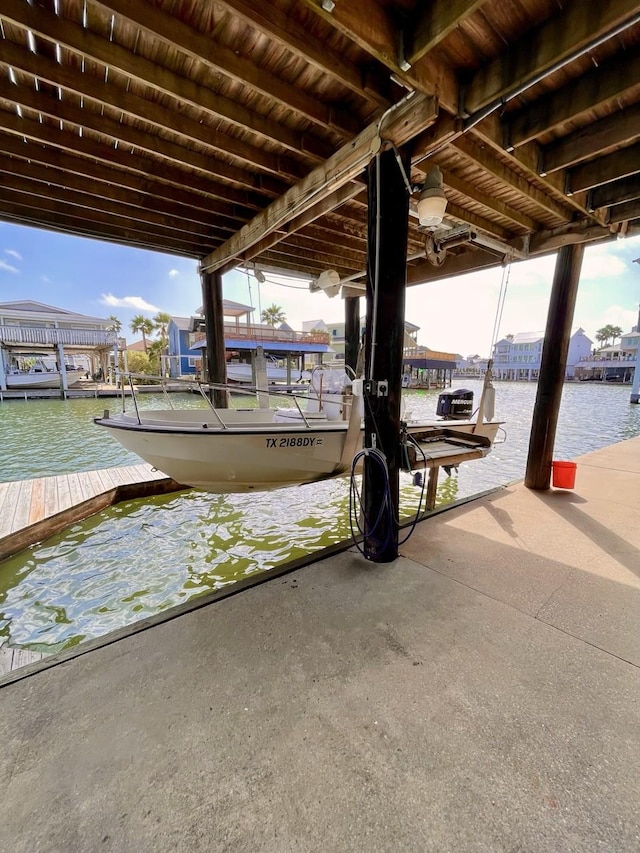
(455, 405)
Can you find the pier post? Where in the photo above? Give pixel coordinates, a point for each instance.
(388, 225)
(214, 330)
(553, 366)
(351, 331)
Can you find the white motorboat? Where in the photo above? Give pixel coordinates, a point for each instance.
(39, 376)
(243, 450)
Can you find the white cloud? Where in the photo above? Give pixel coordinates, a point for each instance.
(13, 254)
(8, 267)
(173, 273)
(600, 264)
(45, 279)
(135, 303)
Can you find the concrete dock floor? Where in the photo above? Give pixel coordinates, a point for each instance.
(481, 693)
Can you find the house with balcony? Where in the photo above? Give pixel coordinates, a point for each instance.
(336, 333)
(34, 332)
(613, 363)
(282, 346)
(517, 357)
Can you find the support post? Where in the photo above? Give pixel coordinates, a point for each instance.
(553, 366)
(214, 330)
(64, 381)
(387, 229)
(3, 371)
(351, 331)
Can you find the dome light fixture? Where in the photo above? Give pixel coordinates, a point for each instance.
(432, 201)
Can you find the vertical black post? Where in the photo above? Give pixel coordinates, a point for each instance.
(553, 366)
(214, 329)
(388, 225)
(351, 331)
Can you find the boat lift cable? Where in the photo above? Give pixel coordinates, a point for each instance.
(504, 284)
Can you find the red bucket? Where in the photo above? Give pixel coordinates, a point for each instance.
(564, 474)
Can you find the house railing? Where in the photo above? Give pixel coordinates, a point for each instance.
(266, 334)
(31, 336)
(425, 352)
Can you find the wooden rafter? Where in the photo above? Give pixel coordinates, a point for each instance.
(602, 85)
(578, 27)
(407, 120)
(173, 32)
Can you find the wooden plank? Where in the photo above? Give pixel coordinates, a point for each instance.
(23, 505)
(23, 657)
(9, 508)
(6, 660)
(36, 511)
(51, 503)
(558, 39)
(410, 117)
(75, 488)
(64, 493)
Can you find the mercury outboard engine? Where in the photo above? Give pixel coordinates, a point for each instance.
(455, 405)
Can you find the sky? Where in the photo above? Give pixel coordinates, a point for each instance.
(454, 315)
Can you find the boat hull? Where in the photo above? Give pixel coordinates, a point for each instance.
(248, 452)
(24, 381)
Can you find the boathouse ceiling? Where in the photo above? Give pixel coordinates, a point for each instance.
(238, 132)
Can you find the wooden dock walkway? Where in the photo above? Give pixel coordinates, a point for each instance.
(31, 510)
(11, 659)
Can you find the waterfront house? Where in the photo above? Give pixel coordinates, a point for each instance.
(613, 363)
(187, 341)
(518, 357)
(55, 336)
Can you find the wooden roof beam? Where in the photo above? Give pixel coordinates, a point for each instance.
(492, 203)
(93, 223)
(562, 38)
(615, 192)
(66, 111)
(483, 158)
(280, 27)
(25, 191)
(625, 212)
(123, 157)
(620, 128)
(28, 159)
(406, 120)
(82, 41)
(138, 108)
(432, 23)
(370, 26)
(470, 260)
(620, 164)
(17, 173)
(200, 46)
(602, 85)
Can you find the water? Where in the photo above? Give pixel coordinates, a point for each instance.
(141, 557)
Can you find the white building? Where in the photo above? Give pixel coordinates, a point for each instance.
(518, 357)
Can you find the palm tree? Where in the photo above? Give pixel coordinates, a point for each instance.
(273, 315)
(115, 325)
(143, 325)
(161, 321)
(616, 332)
(603, 335)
